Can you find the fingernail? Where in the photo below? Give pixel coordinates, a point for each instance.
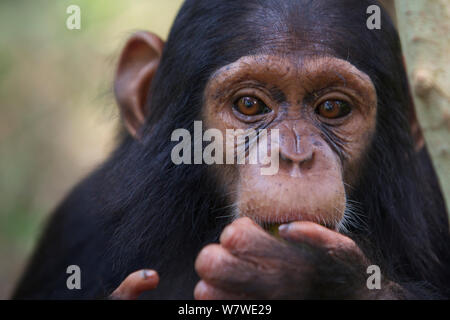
(148, 273)
(284, 227)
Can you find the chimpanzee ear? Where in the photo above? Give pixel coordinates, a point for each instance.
(137, 65)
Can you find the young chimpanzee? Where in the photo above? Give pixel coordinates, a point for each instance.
(354, 188)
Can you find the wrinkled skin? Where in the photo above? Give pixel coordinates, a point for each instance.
(250, 264)
(315, 163)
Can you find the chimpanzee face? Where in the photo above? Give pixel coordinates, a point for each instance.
(322, 109)
(325, 111)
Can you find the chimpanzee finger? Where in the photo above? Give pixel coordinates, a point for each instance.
(315, 235)
(219, 268)
(247, 240)
(205, 291)
(135, 284)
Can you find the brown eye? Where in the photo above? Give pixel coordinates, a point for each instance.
(250, 106)
(332, 109)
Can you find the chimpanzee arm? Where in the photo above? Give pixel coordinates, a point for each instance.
(72, 236)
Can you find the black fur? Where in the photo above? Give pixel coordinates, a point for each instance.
(139, 210)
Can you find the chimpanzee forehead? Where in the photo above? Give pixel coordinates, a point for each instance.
(279, 68)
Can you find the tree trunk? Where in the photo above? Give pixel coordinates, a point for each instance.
(424, 28)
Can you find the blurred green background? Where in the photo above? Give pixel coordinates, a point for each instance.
(58, 117)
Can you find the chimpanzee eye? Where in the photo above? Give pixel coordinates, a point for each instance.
(332, 109)
(251, 106)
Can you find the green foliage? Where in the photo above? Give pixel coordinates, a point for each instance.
(57, 112)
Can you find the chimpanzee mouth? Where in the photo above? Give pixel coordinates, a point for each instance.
(272, 228)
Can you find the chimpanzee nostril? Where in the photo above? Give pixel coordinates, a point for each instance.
(297, 158)
(308, 156)
(283, 157)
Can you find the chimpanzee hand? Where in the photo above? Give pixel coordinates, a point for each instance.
(135, 284)
(314, 262)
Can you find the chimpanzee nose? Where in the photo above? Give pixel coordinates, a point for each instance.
(299, 158)
(296, 151)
